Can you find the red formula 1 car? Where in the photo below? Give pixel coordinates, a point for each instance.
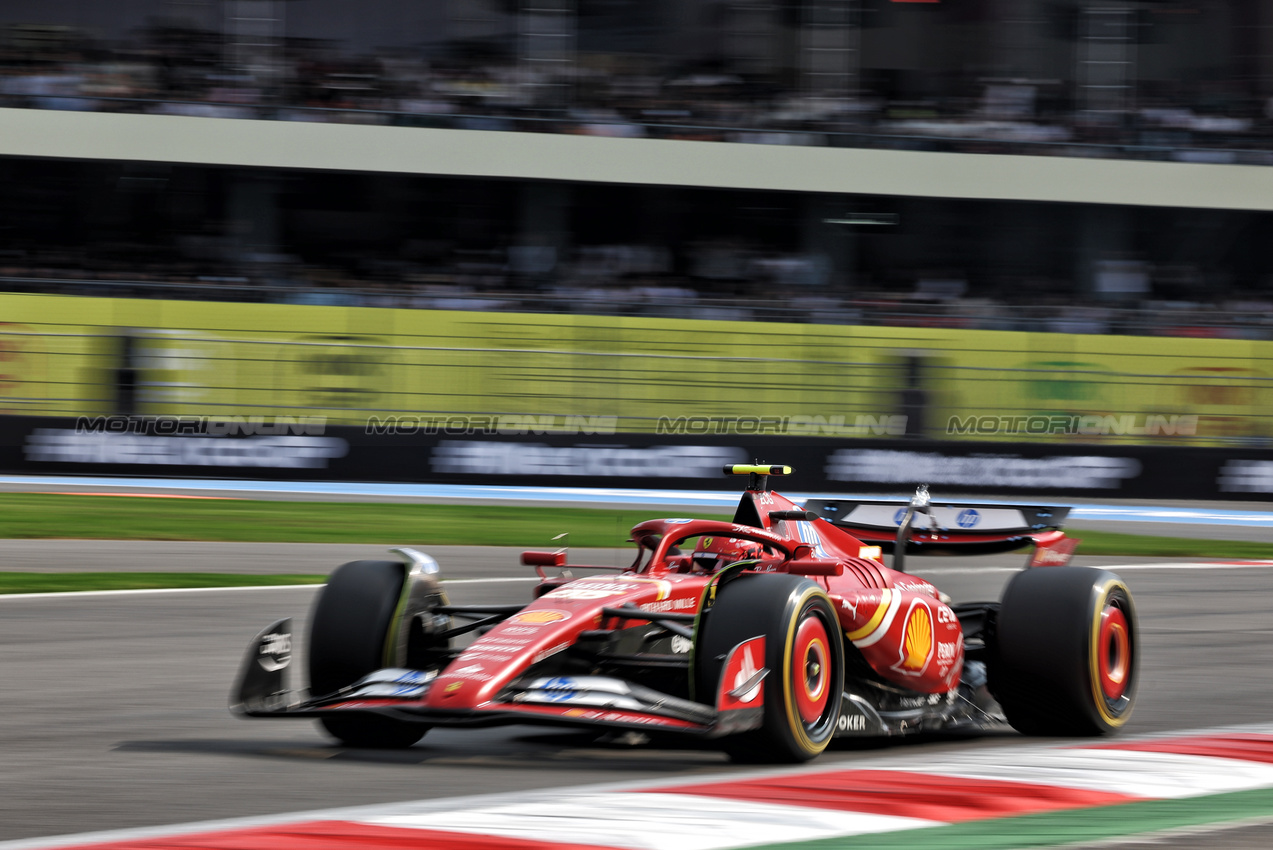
(768, 635)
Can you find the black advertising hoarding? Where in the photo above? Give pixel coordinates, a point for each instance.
(304, 450)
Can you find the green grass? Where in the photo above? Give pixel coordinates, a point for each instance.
(1110, 543)
(42, 515)
(11, 582)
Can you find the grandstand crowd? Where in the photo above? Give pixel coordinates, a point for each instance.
(600, 280)
(165, 70)
(184, 72)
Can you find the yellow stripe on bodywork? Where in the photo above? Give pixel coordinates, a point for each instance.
(664, 586)
(886, 599)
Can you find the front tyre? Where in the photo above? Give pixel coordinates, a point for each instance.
(349, 637)
(804, 654)
(1066, 653)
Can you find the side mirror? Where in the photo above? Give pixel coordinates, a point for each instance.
(816, 567)
(534, 558)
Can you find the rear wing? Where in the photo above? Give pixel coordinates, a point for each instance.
(952, 528)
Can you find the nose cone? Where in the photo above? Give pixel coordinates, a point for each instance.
(502, 654)
(545, 629)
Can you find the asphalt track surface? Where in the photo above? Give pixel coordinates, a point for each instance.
(114, 705)
(113, 708)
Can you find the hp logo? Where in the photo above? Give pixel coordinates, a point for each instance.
(968, 518)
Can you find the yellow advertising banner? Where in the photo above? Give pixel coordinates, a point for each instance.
(67, 355)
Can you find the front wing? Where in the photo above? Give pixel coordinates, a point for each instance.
(262, 691)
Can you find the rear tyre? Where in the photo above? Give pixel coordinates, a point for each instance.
(804, 653)
(349, 632)
(1066, 655)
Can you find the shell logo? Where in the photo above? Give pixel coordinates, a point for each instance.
(917, 641)
(539, 618)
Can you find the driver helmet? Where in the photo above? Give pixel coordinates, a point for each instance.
(712, 552)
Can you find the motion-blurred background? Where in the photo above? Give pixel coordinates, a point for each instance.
(989, 236)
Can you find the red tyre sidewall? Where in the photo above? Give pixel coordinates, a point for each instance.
(1113, 651)
(811, 669)
(813, 624)
(1113, 681)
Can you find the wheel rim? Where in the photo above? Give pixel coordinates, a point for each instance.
(1112, 657)
(1115, 658)
(811, 670)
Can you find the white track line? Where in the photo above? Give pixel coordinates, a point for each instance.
(151, 590)
(1200, 565)
(920, 569)
(450, 581)
(1136, 774)
(935, 571)
(653, 821)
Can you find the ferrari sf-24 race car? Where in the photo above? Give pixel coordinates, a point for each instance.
(768, 635)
